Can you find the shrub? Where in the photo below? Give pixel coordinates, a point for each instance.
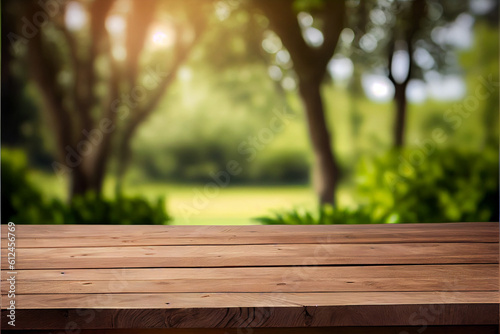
(326, 215)
(23, 203)
(17, 191)
(446, 186)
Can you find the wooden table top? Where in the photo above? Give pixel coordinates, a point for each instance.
(104, 276)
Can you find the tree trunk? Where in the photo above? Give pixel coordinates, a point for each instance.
(90, 172)
(400, 119)
(327, 171)
(79, 183)
(310, 64)
(124, 156)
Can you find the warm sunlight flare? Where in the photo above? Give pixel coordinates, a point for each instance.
(162, 36)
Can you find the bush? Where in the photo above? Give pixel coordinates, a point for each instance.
(326, 215)
(23, 203)
(18, 193)
(446, 186)
(93, 209)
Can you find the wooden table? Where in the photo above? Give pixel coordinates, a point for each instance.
(441, 278)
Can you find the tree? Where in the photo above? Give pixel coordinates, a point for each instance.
(403, 40)
(310, 65)
(399, 30)
(92, 78)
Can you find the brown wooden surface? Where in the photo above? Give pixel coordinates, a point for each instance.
(103, 277)
(267, 279)
(248, 299)
(38, 236)
(312, 330)
(261, 255)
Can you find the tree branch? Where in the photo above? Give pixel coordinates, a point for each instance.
(99, 10)
(309, 63)
(44, 73)
(181, 53)
(139, 20)
(284, 22)
(333, 15)
(79, 85)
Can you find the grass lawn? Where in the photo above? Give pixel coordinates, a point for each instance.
(235, 205)
(230, 206)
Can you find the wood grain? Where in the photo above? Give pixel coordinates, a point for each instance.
(290, 273)
(254, 255)
(151, 235)
(226, 277)
(317, 330)
(321, 316)
(272, 279)
(230, 300)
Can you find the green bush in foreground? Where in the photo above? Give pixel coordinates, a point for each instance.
(445, 186)
(92, 209)
(23, 203)
(325, 215)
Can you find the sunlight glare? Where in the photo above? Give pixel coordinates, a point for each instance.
(305, 19)
(75, 17)
(340, 68)
(416, 92)
(159, 37)
(162, 36)
(313, 37)
(377, 88)
(115, 24)
(400, 65)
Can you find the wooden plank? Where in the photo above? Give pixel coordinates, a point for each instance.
(272, 279)
(209, 288)
(263, 285)
(256, 317)
(289, 273)
(485, 329)
(151, 235)
(254, 255)
(229, 300)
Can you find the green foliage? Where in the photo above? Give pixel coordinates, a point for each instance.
(326, 215)
(442, 186)
(306, 5)
(185, 161)
(16, 189)
(482, 61)
(284, 166)
(22, 202)
(219, 111)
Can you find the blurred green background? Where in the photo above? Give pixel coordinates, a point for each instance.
(249, 112)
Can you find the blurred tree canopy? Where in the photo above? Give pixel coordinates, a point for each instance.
(98, 77)
(407, 32)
